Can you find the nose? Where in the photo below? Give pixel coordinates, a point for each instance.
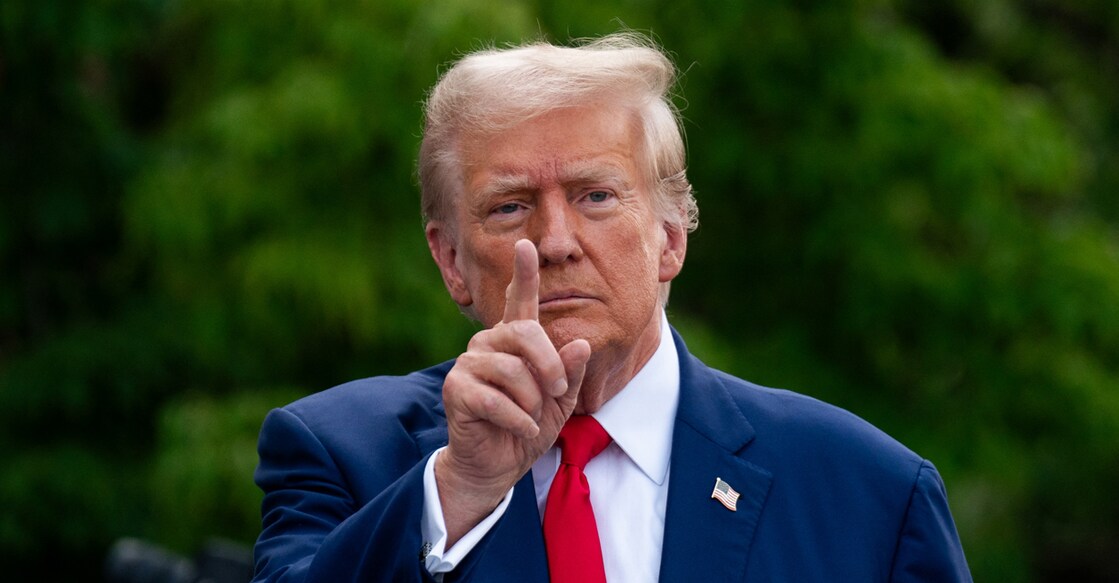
(557, 236)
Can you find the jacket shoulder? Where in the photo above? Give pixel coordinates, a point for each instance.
(388, 422)
(367, 400)
(794, 424)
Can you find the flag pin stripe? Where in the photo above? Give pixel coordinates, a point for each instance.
(726, 495)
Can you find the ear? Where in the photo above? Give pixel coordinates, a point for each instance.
(673, 250)
(444, 252)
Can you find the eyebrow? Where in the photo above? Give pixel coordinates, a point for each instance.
(574, 173)
(501, 184)
(594, 172)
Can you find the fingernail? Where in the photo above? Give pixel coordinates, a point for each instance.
(559, 388)
(532, 431)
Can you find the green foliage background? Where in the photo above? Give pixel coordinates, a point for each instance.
(207, 209)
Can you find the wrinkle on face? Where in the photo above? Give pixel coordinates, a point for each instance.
(602, 257)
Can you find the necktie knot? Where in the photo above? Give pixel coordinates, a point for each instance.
(581, 439)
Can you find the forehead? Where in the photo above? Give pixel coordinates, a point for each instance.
(564, 145)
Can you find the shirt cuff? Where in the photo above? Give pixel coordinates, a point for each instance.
(438, 558)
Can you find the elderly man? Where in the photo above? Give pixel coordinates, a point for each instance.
(576, 440)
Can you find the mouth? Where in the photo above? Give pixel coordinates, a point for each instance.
(560, 298)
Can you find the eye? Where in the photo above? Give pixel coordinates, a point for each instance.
(598, 196)
(507, 208)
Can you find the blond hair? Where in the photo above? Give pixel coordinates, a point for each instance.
(493, 90)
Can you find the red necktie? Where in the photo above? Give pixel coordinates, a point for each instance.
(570, 532)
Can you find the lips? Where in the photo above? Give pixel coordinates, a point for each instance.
(563, 295)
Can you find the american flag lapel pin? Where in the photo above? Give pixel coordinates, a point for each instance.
(725, 495)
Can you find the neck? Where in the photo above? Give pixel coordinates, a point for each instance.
(610, 369)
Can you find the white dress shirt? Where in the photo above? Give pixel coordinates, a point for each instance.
(628, 480)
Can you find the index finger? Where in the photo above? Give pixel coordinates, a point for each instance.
(522, 297)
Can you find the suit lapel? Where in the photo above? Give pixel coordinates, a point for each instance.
(703, 540)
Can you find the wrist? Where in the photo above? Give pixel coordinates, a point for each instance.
(461, 486)
(466, 499)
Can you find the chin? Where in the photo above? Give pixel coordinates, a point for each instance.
(562, 330)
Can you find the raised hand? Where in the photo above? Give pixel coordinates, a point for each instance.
(506, 399)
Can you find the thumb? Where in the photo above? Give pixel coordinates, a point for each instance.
(574, 356)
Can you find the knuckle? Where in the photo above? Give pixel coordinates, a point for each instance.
(454, 385)
(508, 368)
(479, 341)
(453, 379)
(490, 403)
(523, 328)
(465, 361)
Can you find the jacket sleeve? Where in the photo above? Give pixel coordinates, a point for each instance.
(312, 528)
(929, 547)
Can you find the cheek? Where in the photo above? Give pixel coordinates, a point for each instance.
(488, 272)
(643, 247)
(635, 265)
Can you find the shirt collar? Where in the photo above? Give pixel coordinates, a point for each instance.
(640, 418)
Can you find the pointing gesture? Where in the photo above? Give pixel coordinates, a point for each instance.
(506, 399)
(522, 302)
(522, 297)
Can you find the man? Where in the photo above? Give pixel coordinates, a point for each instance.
(557, 211)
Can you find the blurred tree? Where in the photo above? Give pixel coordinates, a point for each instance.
(208, 209)
(68, 142)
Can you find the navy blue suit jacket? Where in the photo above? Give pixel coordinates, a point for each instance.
(824, 495)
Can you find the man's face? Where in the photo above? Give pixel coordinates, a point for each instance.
(572, 182)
